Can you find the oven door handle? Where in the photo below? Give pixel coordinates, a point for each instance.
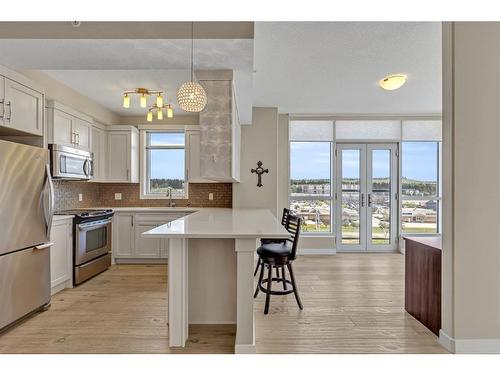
(96, 225)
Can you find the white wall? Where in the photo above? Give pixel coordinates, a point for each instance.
(471, 153)
(259, 141)
(57, 91)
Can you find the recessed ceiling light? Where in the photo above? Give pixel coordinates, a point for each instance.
(393, 81)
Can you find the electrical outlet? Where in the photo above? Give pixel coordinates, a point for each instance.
(118, 196)
(210, 196)
(80, 197)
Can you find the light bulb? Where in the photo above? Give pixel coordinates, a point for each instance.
(170, 111)
(144, 101)
(126, 101)
(150, 116)
(159, 101)
(160, 114)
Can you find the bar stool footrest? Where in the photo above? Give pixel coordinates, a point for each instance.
(276, 292)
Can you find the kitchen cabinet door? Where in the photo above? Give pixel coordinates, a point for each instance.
(61, 254)
(123, 156)
(123, 236)
(193, 171)
(147, 247)
(62, 127)
(119, 157)
(22, 108)
(83, 134)
(99, 150)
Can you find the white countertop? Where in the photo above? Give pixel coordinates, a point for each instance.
(148, 209)
(222, 223)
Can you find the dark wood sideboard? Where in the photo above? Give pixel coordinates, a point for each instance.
(423, 280)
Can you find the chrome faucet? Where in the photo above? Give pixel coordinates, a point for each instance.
(171, 203)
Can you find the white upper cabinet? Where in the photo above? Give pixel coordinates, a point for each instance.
(193, 157)
(68, 127)
(123, 154)
(220, 129)
(99, 149)
(21, 106)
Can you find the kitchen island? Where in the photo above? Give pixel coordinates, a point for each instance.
(210, 269)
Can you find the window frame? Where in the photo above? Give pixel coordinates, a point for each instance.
(399, 140)
(315, 197)
(437, 197)
(146, 163)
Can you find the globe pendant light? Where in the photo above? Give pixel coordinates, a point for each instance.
(191, 96)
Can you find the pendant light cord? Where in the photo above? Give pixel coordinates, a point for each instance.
(192, 48)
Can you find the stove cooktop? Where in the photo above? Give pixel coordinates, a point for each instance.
(86, 213)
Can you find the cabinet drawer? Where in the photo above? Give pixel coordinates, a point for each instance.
(158, 218)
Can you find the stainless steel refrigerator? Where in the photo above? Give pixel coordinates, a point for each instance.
(26, 209)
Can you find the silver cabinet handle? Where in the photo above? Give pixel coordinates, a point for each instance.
(9, 104)
(77, 137)
(2, 102)
(72, 138)
(44, 245)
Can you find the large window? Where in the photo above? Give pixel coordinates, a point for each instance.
(420, 187)
(165, 164)
(310, 195)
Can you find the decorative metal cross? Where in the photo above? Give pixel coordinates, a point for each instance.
(259, 170)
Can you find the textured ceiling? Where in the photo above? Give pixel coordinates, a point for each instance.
(334, 67)
(300, 67)
(103, 69)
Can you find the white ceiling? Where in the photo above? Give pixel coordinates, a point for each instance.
(300, 67)
(334, 67)
(103, 68)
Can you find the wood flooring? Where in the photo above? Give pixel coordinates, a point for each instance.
(353, 303)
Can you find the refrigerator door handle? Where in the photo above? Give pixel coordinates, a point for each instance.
(48, 201)
(44, 245)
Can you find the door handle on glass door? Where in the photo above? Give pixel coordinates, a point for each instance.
(369, 200)
(362, 200)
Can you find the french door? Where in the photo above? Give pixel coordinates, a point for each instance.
(366, 197)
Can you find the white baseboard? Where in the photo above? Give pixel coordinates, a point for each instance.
(141, 261)
(469, 346)
(317, 252)
(244, 349)
(446, 341)
(213, 322)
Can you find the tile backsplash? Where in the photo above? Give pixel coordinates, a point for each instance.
(103, 195)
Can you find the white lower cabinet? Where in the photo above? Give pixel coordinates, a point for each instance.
(61, 255)
(130, 246)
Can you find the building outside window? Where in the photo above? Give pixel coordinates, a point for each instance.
(164, 154)
(311, 180)
(420, 188)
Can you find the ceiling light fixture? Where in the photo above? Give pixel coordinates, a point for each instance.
(191, 96)
(159, 112)
(393, 81)
(144, 93)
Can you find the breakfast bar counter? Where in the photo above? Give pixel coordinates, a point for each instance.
(211, 264)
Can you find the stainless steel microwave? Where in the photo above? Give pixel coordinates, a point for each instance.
(71, 163)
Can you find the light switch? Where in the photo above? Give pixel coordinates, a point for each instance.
(118, 196)
(210, 196)
(80, 197)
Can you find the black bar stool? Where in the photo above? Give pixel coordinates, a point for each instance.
(279, 255)
(263, 241)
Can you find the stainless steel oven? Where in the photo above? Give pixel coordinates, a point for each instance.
(92, 235)
(71, 163)
(92, 240)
